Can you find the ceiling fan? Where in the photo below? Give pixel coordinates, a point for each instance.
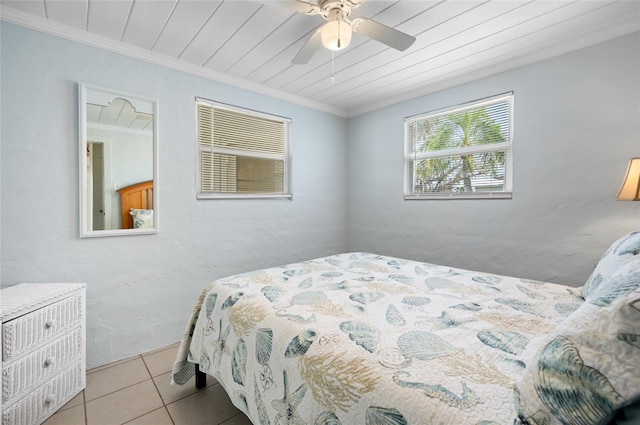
(335, 34)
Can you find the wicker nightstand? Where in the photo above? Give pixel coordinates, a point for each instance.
(43, 349)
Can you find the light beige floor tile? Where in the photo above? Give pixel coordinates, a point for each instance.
(160, 362)
(115, 378)
(173, 392)
(240, 419)
(157, 417)
(71, 416)
(124, 405)
(206, 407)
(76, 401)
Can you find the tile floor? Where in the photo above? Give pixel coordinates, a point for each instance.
(136, 391)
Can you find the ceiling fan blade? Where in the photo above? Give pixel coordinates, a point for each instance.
(298, 6)
(311, 46)
(382, 33)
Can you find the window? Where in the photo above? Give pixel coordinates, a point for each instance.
(241, 153)
(460, 152)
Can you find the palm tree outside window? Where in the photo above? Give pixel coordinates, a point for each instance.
(460, 152)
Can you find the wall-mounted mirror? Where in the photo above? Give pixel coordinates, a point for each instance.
(118, 163)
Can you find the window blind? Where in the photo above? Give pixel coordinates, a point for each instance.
(241, 152)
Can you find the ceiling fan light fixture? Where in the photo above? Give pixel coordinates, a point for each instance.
(336, 35)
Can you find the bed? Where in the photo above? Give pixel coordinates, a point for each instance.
(361, 338)
(136, 205)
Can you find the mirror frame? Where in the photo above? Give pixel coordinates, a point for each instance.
(82, 148)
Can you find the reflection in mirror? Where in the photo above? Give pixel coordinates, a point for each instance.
(118, 163)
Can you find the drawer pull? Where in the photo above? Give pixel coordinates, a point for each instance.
(50, 361)
(50, 399)
(50, 324)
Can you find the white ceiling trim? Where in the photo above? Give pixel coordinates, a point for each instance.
(51, 27)
(413, 87)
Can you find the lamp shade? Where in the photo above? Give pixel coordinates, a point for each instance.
(336, 35)
(630, 189)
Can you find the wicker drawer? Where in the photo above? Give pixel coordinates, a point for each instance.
(41, 403)
(35, 368)
(43, 349)
(22, 334)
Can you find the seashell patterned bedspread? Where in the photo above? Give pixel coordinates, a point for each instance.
(360, 338)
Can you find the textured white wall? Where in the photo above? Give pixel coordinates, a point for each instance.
(583, 107)
(577, 121)
(141, 289)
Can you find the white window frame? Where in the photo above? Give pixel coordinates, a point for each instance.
(507, 147)
(286, 157)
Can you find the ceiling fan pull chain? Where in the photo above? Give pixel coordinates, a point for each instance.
(333, 77)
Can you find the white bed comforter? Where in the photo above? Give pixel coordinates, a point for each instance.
(361, 338)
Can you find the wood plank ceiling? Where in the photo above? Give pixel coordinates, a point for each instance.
(254, 42)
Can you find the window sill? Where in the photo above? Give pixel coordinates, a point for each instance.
(452, 196)
(204, 196)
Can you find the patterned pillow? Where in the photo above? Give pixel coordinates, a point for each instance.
(587, 368)
(142, 219)
(623, 251)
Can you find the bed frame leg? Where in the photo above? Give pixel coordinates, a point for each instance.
(201, 378)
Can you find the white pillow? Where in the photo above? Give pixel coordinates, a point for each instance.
(142, 219)
(589, 366)
(622, 252)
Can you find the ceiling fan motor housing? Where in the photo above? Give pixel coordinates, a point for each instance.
(336, 33)
(333, 10)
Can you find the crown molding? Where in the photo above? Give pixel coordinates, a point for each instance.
(28, 20)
